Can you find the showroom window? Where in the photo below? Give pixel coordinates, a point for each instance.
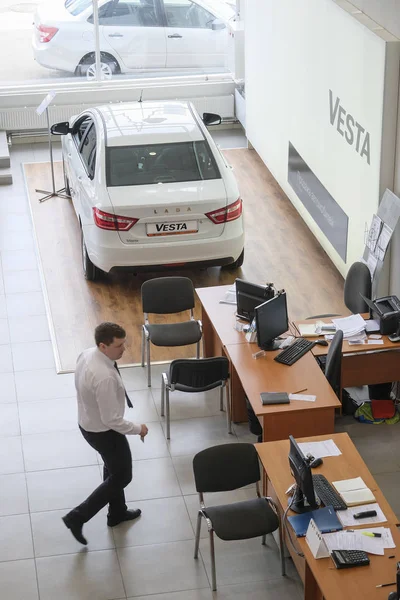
(55, 40)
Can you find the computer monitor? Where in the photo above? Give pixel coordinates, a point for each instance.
(249, 295)
(271, 321)
(301, 471)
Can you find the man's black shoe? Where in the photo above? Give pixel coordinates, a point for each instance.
(129, 515)
(75, 529)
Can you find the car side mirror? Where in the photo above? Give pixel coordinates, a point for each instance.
(60, 128)
(217, 25)
(211, 119)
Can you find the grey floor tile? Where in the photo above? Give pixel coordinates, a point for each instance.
(4, 332)
(58, 450)
(243, 433)
(7, 388)
(244, 561)
(154, 445)
(18, 580)
(11, 457)
(135, 378)
(389, 484)
(13, 495)
(192, 435)
(22, 281)
(3, 306)
(215, 499)
(9, 420)
(51, 537)
(10, 241)
(16, 223)
(6, 361)
(162, 520)
(275, 589)
(144, 409)
(61, 488)
(18, 260)
(32, 355)
(43, 384)
(15, 538)
(25, 304)
(80, 576)
(153, 478)
(203, 594)
(48, 416)
(183, 466)
(161, 568)
(34, 328)
(190, 406)
(2, 287)
(380, 457)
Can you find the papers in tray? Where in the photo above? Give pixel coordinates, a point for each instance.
(319, 449)
(351, 326)
(354, 491)
(347, 519)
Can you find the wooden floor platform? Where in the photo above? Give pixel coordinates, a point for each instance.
(279, 248)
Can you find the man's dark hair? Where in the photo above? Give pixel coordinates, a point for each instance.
(106, 332)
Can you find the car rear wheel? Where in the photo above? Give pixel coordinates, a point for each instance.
(108, 67)
(238, 262)
(90, 271)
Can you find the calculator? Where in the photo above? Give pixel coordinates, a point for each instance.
(349, 558)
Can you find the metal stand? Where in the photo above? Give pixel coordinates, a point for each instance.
(54, 192)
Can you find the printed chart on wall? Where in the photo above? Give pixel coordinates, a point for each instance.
(379, 234)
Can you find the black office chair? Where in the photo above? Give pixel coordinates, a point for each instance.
(358, 281)
(333, 364)
(229, 467)
(163, 296)
(196, 375)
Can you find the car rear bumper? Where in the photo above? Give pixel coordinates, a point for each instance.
(107, 253)
(50, 56)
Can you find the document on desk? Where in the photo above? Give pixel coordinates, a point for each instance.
(353, 540)
(320, 449)
(304, 397)
(387, 538)
(347, 519)
(350, 326)
(230, 296)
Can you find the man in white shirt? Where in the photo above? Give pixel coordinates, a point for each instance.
(101, 405)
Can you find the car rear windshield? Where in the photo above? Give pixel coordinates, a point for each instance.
(75, 7)
(160, 163)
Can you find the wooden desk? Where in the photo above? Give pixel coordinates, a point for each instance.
(365, 364)
(250, 377)
(319, 578)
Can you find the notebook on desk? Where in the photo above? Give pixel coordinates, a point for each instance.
(354, 491)
(324, 518)
(274, 398)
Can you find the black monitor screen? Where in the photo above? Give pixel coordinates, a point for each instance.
(301, 472)
(249, 295)
(271, 321)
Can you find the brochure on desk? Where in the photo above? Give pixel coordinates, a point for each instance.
(324, 518)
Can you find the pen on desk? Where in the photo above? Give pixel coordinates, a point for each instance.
(299, 391)
(385, 584)
(392, 556)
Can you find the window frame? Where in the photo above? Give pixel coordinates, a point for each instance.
(180, 26)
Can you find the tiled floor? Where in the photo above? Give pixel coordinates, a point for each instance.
(46, 467)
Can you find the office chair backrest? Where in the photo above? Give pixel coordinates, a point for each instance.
(333, 365)
(166, 295)
(358, 281)
(226, 467)
(198, 374)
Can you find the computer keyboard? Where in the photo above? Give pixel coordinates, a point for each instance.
(327, 494)
(294, 352)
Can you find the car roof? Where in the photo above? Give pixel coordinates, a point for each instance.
(137, 123)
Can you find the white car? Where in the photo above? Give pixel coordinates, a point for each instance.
(150, 188)
(134, 35)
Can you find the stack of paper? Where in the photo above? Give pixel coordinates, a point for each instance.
(351, 326)
(354, 491)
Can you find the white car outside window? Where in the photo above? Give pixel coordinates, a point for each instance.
(150, 189)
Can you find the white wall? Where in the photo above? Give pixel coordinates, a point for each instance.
(296, 51)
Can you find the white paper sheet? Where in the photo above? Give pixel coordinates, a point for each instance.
(371, 325)
(320, 449)
(230, 296)
(383, 241)
(304, 397)
(375, 342)
(351, 326)
(353, 540)
(347, 520)
(373, 232)
(372, 261)
(387, 538)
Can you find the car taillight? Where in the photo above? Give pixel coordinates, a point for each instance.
(228, 213)
(46, 33)
(112, 222)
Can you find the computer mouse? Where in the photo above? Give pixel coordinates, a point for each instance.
(321, 342)
(316, 462)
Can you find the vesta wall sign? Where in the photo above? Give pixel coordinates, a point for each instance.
(355, 134)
